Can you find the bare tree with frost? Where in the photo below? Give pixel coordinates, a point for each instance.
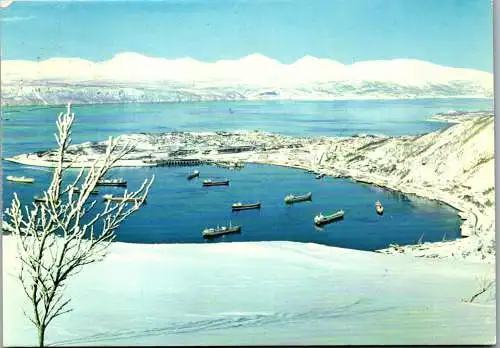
(59, 236)
(485, 284)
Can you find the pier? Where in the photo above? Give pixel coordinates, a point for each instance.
(176, 162)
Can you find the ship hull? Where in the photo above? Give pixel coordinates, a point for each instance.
(20, 180)
(192, 176)
(329, 219)
(127, 200)
(93, 192)
(246, 207)
(299, 199)
(118, 184)
(216, 183)
(236, 229)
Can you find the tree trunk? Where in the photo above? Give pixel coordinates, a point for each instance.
(41, 335)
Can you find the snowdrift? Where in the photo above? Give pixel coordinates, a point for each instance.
(261, 293)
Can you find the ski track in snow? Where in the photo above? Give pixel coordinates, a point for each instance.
(357, 308)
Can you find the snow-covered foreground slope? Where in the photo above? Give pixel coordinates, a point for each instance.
(131, 77)
(261, 293)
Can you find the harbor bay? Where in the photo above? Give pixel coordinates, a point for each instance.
(178, 209)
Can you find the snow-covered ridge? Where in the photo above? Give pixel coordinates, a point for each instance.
(132, 77)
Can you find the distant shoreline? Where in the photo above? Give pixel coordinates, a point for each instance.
(312, 100)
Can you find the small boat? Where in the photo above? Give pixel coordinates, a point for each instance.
(210, 182)
(379, 208)
(289, 199)
(325, 219)
(93, 192)
(112, 182)
(237, 165)
(21, 179)
(39, 199)
(230, 164)
(320, 176)
(219, 231)
(194, 175)
(110, 197)
(240, 206)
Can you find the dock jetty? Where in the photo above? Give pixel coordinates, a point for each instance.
(175, 162)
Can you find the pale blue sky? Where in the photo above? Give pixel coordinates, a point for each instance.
(449, 32)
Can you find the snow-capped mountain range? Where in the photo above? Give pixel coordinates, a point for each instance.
(131, 77)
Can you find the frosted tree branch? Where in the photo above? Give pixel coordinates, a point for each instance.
(59, 236)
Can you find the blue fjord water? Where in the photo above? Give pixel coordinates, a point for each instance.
(178, 210)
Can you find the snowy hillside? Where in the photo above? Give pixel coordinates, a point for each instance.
(131, 77)
(261, 293)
